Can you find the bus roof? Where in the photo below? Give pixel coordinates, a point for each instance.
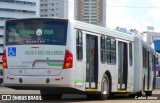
(93, 28)
(38, 18)
(104, 31)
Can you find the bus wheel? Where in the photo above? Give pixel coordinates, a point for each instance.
(132, 95)
(92, 96)
(136, 94)
(148, 93)
(104, 88)
(139, 93)
(49, 96)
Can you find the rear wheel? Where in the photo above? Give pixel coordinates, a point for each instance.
(48, 95)
(132, 95)
(92, 96)
(104, 88)
(148, 93)
(140, 93)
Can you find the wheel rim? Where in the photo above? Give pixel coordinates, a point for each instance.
(104, 87)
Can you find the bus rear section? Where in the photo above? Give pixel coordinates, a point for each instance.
(35, 54)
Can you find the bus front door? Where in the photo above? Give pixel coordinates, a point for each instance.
(91, 61)
(122, 66)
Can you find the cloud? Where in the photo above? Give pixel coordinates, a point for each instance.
(154, 14)
(118, 16)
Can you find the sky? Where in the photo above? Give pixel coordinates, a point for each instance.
(133, 14)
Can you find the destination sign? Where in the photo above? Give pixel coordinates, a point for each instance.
(33, 32)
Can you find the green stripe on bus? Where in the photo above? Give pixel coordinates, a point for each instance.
(53, 64)
(79, 81)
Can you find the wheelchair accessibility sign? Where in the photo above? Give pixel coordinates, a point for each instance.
(12, 51)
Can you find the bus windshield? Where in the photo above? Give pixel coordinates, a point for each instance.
(36, 31)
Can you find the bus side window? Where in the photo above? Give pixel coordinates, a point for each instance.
(130, 54)
(111, 50)
(79, 45)
(143, 57)
(103, 49)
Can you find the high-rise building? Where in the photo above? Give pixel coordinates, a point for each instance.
(12, 9)
(90, 11)
(57, 8)
(52, 8)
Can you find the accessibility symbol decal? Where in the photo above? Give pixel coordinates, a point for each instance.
(12, 51)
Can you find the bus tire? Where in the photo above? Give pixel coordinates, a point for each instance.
(144, 84)
(91, 96)
(49, 96)
(139, 94)
(148, 93)
(104, 88)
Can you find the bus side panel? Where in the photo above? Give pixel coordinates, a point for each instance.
(130, 70)
(79, 65)
(112, 69)
(138, 74)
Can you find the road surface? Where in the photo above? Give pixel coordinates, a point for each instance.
(76, 98)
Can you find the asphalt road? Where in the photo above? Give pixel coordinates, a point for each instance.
(76, 98)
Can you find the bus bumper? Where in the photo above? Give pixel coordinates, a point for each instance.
(65, 79)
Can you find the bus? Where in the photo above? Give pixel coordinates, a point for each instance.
(156, 44)
(59, 56)
(153, 39)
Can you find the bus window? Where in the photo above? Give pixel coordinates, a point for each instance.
(37, 31)
(111, 50)
(130, 54)
(79, 44)
(102, 49)
(147, 59)
(143, 57)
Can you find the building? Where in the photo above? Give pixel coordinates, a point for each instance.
(150, 28)
(12, 9)
(150, 36)
(57, 8)
(90, 11)
(52, 8)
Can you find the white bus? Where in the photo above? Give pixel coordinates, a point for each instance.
(153, 39)
(58, 56)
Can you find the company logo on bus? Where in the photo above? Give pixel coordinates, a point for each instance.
(12, 51)
(39, 32)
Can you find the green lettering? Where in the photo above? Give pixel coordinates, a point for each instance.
(35, 52)
(29, 52)
(26, 32)
(41, 52)
(48, 32)
(47, 53)
(26, 52)
(52, 53)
